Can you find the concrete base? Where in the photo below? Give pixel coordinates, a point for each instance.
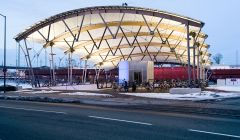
(184, 90)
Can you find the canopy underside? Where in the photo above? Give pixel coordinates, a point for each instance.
(105, 38)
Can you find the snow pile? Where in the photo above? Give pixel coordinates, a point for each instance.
(41, 91)
(92, 87)
(225, 88)
(87, 94)
(205, 95)
(25, 86)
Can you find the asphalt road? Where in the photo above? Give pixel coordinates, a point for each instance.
(46, 121)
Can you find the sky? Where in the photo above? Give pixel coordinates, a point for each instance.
(221, 19)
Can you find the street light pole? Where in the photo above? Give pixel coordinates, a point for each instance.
(4, 63)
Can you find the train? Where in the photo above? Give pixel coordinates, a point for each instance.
(160, 73)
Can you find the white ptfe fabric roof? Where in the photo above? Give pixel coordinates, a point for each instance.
(109, 34)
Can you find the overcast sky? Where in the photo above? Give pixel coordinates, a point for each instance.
(221, 19)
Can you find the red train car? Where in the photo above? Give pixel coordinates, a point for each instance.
(215, 74)
(160, 73)
(168, 73)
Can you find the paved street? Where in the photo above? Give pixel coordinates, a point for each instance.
(42, 121)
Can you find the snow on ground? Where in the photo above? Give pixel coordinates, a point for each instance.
(225, 88)
(43, 91)
(92, 87)
(37, 92)
(87, 94)
(205, 95)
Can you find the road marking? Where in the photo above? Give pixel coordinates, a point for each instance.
(28, 109)
(112, 119)
(214, 133)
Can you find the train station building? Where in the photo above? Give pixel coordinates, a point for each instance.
(136, 42)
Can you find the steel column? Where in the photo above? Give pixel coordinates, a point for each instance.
(106, 25)
(70, 68)
(52, 68)
(198, 65)
(194, 64)
(18, 63)
(80, 28)
(74, 36)
(85, 72)
(188, 55)
(29, 62)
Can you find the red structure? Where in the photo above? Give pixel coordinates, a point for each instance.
(223, 74)
(161, 73)
(168, 73)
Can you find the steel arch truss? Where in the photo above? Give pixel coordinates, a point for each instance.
(107, 35)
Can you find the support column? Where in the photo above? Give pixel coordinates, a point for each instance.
(45, 57)
(70, 68)
(95, 77)
(198, 64)
(85, 72)
(204, 76)
(18, 64)
(29, 63)
(99, 70)
(52, 69)
(188, 56)
(194, 63)
(200, 70)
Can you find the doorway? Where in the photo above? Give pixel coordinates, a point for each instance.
(138, 77)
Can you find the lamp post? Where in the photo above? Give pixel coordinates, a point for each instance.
(4, 56)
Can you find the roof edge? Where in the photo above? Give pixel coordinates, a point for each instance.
(104, 9)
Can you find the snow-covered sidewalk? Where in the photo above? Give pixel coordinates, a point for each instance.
(225, 88)
(205, 95)
(87, 94)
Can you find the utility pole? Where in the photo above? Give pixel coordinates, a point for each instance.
(4, 59)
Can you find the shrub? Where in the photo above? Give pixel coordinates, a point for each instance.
(8, 88)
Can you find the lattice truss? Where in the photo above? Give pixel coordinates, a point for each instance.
(106, 35)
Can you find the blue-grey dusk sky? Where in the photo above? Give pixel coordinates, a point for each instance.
(221, 19)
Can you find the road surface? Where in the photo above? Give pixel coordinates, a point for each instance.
(21, 120)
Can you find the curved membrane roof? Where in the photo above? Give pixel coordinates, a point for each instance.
(108, 34)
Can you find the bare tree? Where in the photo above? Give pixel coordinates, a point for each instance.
(217, 58)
